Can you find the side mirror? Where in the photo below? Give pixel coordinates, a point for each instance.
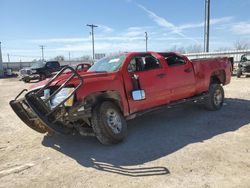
(138, 95)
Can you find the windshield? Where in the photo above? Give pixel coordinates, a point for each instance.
(246, 57)
(37, 65)
(108, 64)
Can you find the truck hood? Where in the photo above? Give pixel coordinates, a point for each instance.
(87, 78)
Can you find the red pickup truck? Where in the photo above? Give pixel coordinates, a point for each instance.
(117, 88)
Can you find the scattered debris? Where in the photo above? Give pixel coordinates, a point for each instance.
(15, 169)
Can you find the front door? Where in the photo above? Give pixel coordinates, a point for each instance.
(151, 78)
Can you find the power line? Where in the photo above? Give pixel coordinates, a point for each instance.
(93, 42)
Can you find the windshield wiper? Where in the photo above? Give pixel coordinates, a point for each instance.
(100, 71)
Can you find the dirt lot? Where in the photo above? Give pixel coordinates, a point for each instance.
(185, 146)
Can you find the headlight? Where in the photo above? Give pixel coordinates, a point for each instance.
(33, 71)
(60, 96)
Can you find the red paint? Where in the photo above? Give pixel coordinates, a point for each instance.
(179, 82)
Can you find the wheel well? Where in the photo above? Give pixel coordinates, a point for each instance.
(218, 77)
(96, 98)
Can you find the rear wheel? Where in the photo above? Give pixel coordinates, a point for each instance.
(108, 123)
(215, 98)
(238, 73)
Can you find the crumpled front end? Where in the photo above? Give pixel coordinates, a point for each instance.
(26, 114)
(46, 110)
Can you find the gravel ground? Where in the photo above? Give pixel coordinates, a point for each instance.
(185, 146)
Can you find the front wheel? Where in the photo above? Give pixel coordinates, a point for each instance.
(26, 80)
(42, 77)
(108, 123)
(215, 98)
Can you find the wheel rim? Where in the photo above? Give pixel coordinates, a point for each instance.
(114, 121)
(42, 77)
(218, 97)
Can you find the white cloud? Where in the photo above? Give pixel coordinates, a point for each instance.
(106, 28)
(178, 29)
(130, 34)
(165, 23)
(213, 21)
(101, 47)
(241, 28)
(161, 21)
(221, 20)
(60, 40)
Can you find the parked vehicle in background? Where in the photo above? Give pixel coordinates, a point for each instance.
(120, 87)
(243, 66)
(82, 67)
(40, 71)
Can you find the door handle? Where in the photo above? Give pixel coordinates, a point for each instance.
(188, 70)
(161, 75)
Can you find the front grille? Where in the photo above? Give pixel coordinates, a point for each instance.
(25, 72)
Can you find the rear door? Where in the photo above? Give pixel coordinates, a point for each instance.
(181, 78)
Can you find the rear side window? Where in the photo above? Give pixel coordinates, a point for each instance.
(174, 61)
(53, 65)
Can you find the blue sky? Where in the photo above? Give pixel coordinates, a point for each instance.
(60, 25)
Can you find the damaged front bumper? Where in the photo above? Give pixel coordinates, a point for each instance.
(26, 114)
(33, 110)
(26, 77)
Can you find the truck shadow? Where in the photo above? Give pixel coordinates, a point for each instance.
(153, 136)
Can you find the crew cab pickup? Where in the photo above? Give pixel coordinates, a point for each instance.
(40, 70)
(118, 88)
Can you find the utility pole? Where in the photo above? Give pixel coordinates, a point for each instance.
(8, 57)
(146, 37)
(69, 56)
(93, 40)
(206, 27)
(42, 48)
(1, 62)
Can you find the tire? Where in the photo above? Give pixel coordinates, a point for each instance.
(215, 98)
(238, 73)
(26, 80)
(108, 123)
(42, 77)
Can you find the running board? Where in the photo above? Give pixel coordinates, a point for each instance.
(194, 99)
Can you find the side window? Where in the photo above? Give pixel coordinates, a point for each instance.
(175, 61)
(49, 65)
(151, 63)
(52, 65)
(143, 64)
(85, 66)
